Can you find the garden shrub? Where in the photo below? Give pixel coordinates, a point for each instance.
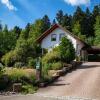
(52, 66)
(20, 75)
(45, 51)
(45, 68)
(56, 66)
(1, 69)
(46, 78)
(50, 57)
(30, 79)
(16, 75)
(10, 58)
(31, 62)
(22, 51)
(28, 89)
(66, 50)
(51, 61)
(19, 64)
(7, 59)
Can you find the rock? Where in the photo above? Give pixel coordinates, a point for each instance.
(17, 87)
(60, 73)
(54, 77)
(43, 84)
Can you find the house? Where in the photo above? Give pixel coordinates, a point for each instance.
(52, 38)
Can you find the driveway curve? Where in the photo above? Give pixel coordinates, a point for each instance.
(82, 82)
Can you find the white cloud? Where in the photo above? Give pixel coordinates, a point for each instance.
(9, 4)
(77, 2)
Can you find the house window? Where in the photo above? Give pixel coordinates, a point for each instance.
(61, 36)
(53, 37)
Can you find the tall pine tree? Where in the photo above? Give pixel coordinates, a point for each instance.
(97, 31)
(59, 16)
(86, 24)
(46, 23)
(78, 16)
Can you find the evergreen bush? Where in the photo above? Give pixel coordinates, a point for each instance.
(67, 51)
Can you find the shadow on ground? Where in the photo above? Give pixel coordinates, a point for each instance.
(87, 66)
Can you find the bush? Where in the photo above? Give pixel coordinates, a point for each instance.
(56, 66)
(66, 50)
(16, 75)
(32, 79)
(28, 89)
(17, 55)
(53, 66)
(46, 78)
(1, 69)
(49, 59)
(19, 64)
(45, 51)
(45, 68)
(31, 62)
(52, 56)
(8, 58)
(20, 75)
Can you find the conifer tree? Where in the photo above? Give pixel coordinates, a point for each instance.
(67, 50)
(97, 31)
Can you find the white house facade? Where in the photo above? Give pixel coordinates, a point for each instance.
(52, 38)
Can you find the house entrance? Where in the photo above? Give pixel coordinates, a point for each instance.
(91, 54)
(94, 54)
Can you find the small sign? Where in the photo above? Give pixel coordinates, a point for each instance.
(38, 68)
(38, 65)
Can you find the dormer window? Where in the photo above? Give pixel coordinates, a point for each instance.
(61, 36)
(53, 37)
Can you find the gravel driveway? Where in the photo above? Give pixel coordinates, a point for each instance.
(81, 83)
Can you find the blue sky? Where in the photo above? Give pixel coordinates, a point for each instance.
(20, 12)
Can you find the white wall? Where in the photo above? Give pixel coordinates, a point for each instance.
(80, 46)
(48, 44)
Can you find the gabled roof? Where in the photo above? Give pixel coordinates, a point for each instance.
(55, 26)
